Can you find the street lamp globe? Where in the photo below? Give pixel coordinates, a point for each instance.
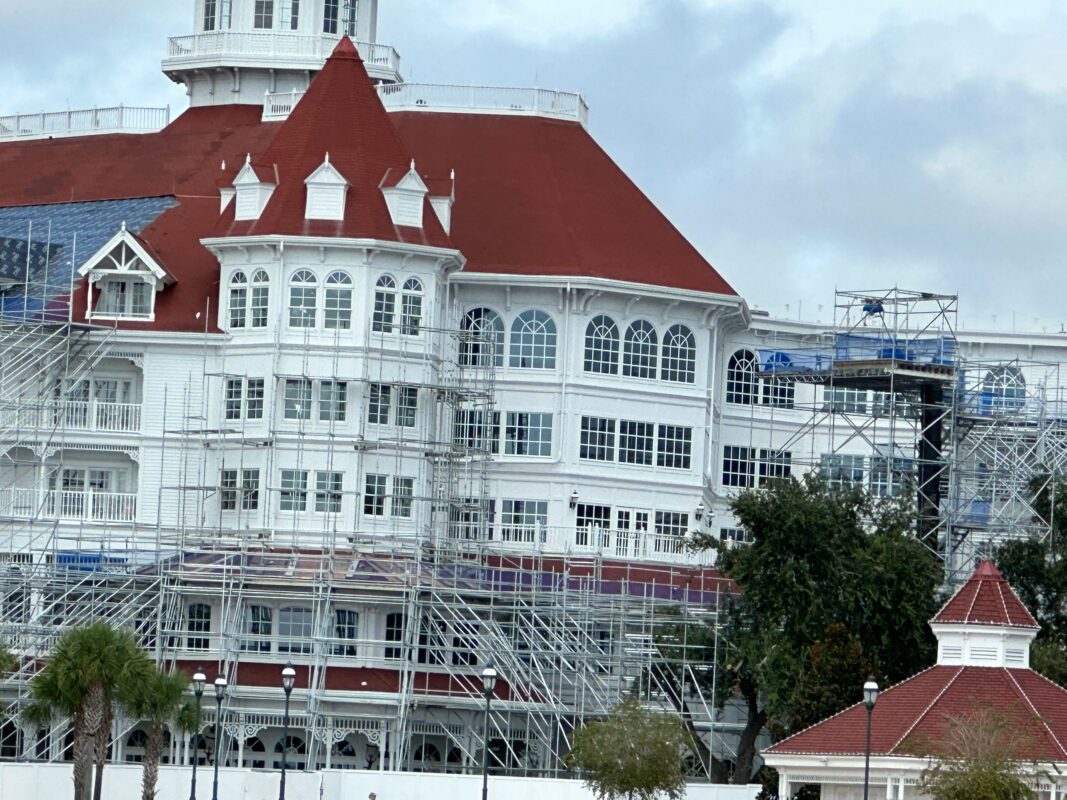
(199, 679)
(288, 677)
(489, 676)
(220, 687)
(870, 693)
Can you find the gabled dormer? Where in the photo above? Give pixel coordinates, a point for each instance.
(405, 197)
(327, 190)
(442, 198)
(124, 278)
(253, 187)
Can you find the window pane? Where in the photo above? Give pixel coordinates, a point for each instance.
(738, 468)
(528, 434)
(403, 491)
(374, 496)
(297, 399)
(254, 398)
(597, 439)
(601, 346)
(533, 341)
(338, 308)
(407, 403)
(635, 442)
(674, 446)
(264, 14)
(378, 404)
(483, 340)
(250, 489)
(639, 351)
(233, 391)
(237, 307)
(384, 305)
(328, 492)
(346, 628)
(333, 401)
(294, 490)
(741, 378)
(679, 355)
(294, 630)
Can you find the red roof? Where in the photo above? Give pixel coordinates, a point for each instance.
(341, 114)
(537, 196)
(911, 715)
(986, 599)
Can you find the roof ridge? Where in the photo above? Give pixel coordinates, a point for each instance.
(926, 711)
(974, 599)
(1037, 713)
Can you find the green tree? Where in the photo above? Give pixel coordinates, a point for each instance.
(87, 671)
(157, 700)
(980, 757)
(1037, 570)
(634, 754)
(832, 587)
(8, 662)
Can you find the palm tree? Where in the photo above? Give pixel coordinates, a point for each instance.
(8, 662)
(157, 701)
(83, 677)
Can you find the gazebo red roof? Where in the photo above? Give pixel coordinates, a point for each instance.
(986, 599)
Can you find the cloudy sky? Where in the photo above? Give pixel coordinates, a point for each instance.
(802, 145)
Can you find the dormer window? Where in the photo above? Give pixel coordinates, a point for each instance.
(327, 190)
(405, 198)
(123, 280)
(253, 186)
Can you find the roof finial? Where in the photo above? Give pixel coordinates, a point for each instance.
(412, 165)
(452, 175)
(327, 156)
(223, 167)
(248, 158)
(123, 226)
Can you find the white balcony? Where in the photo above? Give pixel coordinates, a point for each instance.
(87, 505)
(569, 106)
(83, 122)
(271, 50)
(625, 545)
(74, 415)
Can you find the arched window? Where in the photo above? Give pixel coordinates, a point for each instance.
(602, 346)
(238, 300)
(295, 754)
(135, 745)
(384, 305)
(198, 625)
(639, 351)
(260, 298)
(741, 378)
(411, 307)
(338, 301)
(427, 758)
(486, 339)
(533, 341)
(303, 297)
(258, 758)
(454, 761)
(679, 355)
(1005, 388)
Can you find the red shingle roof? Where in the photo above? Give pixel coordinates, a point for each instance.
(986, 599)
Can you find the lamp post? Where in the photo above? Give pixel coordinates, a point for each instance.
(220, 694)
(870, 697)
(288, 679)
(199, 679)
(488, 685)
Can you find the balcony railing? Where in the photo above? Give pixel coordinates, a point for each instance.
(116, 119)
(251, 47)
(606, 542)
(90, 505)
(78, 415)
(441, 97)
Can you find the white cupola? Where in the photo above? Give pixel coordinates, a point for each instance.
(253, 187)
(327, 190)
(405, 197)
(985, 624)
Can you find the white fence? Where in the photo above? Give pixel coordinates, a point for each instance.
(53, 782)
(116, 119)
(90, 504)
(272, 45)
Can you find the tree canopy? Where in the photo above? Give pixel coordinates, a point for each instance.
(634, 754)
(832, 587)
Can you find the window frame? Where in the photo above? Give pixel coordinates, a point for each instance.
(678, 361)
(640, 351)
(533, 341)
(601, 353)
(303, 286)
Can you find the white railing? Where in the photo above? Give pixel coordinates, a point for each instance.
(272, 46)
(606, 542)
(78, 415)
(441, 97)
(90, 505)
(116, 119)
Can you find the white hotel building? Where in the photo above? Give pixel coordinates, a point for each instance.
(393, 379)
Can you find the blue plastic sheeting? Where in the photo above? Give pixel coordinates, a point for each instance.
(992, 403)
(795, 360)
(87, 561)
(935, 350)
(975, 512)
(37, 249)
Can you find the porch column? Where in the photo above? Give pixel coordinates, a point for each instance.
(384, 748)
(888, 787)
(783, 784)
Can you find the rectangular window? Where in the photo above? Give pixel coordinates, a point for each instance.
(845, 401)
(302, 306)
(294, 630)
(333, 399)
(464, 643)
(738, 467)
(249, 489)
(394, 635)
(120, 297)
(523, 520)
(892, 480)
(346, 631)
(228, 489)
(635, 442)
(476, 430)
(374, 496)
(330, 16)
(263, 19)
(294, 496)
(381, 397)
(198, 622)
(260, 295)
(258, 630)
(734, 535)
(593, 516)
(774, 464)
(254, 388)
(290, 15)
(410, 314)
(841, 471)
(246, 493)
(234, 393)
(338, 312)
(674, 446)
(328, 492)
(597, 439)
(778, 392)
(671, 523)
(210, 10)
(528, 434)
(403, 492)
(297, 398)
(407, 406)
(238, 312)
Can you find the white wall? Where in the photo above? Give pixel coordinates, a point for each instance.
(53, 782)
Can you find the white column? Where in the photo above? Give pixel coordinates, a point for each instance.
(889, 787)
(783, 784)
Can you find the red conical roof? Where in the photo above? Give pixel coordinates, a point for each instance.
(341, 114)
(986, 599)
